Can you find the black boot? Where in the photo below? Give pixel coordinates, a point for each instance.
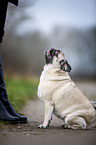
(11, 111)
(6, 117)
(4, 98)
(3, 94)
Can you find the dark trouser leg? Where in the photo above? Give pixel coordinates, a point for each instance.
(3, 94)
(4, 115)
(3, 11)
(4, 98)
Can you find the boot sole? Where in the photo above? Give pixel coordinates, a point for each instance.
(23, 121)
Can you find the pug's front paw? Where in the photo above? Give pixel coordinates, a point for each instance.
(42, 126)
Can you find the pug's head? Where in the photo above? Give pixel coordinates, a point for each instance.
(57, 58)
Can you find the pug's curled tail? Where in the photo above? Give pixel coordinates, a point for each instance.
(94, 104)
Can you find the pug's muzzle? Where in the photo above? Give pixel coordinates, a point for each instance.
(65, 65)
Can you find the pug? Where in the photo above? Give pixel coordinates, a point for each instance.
(61, 96)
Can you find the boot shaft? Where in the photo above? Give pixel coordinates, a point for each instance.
(6, 117)
(3, 92)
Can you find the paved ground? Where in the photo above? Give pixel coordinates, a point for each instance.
(29, 134)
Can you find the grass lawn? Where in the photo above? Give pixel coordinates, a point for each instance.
(21, 89)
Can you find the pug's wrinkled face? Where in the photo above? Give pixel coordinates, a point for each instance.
(57, 58)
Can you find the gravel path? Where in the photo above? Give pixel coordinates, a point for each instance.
(29, 134)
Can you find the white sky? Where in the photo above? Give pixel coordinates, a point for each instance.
(49, 13)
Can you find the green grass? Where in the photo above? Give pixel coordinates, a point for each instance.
(19, 90)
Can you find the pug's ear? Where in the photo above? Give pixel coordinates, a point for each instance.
(65, 65)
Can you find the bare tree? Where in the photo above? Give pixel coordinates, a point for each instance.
(16, 15)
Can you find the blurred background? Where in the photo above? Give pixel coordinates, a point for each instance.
(37, 25)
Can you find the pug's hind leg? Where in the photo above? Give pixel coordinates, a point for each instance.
(48, 115)
(75, 122)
